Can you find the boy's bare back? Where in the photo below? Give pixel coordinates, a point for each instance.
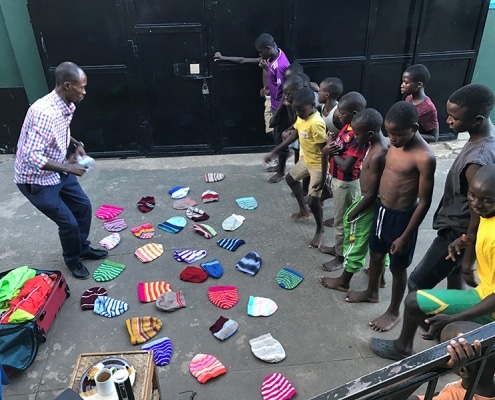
(408, 172)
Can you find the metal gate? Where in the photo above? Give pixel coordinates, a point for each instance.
(153, 88)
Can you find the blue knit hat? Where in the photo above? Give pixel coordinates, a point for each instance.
(230, 244)
(250, 263)
(213, 268)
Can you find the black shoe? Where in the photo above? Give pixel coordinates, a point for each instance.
(79, 271)
(94, 254)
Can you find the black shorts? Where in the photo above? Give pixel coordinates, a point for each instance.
(388, 225)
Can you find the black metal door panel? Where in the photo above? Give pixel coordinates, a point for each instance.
(93, 35)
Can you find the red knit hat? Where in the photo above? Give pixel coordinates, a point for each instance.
(193, 274)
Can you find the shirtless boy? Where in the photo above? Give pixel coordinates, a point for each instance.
(358, 218)
(310, 129)
(406, 190)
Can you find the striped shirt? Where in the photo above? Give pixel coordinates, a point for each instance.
(45, 136)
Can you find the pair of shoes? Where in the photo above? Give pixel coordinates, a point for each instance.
(78, 270)
(94, 254)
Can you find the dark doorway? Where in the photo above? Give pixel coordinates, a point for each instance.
(155, 90)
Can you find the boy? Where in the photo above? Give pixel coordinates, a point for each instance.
(367, 126)
(346, 155)
(310, 129)
(414, 80)
(329, 91)
(435, 308)
(405, 191)
(468, 110)
(461, 352)
(283, 120)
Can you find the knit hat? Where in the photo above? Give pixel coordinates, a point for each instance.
(173, 225)
(170, 301)
(205, 367)
(223, 296)
(183, 204)
(145, 231)
(115, 224)
(247, 203)
(189, 256)
(288, 278)
(146, 204)
(209, 195)
(107, 211)
(142, 329)
(233, 222)
(110, 241)
(108, 307)
(162, 350)
(224, 328)
(277, 387)
(150, 291)
(250, 263)
(261, 307)
(196, 214)
(214, 177)
(149, 252)
(179, 192)
(230, 244)
(193, 274)
(213, 268)
(267, 349)
(88, 298)
(204, 230)
(107, 271)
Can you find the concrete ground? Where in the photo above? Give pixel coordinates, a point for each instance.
(326, 339)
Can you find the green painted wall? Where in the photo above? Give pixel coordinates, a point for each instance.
(485, 64)
(9, 73)
(22, 59)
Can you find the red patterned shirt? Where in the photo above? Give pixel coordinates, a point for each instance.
(350, 148)
(45, 135)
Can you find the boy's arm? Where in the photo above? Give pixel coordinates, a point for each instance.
(345, 164)
(324, 168)
(285, 143)
(235, 59)
(431, 135)
(426, 167)
(377, 163)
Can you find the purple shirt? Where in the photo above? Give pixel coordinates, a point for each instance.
(276, 78)
(45, 135)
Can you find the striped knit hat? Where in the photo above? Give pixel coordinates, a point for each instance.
(205, 230)
(108, 307)
(150, 291)
(250, 263)
(230, 244)
(205, 367)
(162, 350)
(189, 256)
(149, 252)
(110, 241)
(115, 224)
(170, 301)
(267, 348)
(277, 387)
(223, 296)
(214, 177)
(88, 298)
(288, 278)
(142, 329)
(209, 195)
(173, 225)
(107, 211)
(261, 306)
(196, 214)
(144, 231)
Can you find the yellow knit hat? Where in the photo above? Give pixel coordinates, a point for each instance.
(142, 329)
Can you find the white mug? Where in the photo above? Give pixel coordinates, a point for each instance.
(104, 382)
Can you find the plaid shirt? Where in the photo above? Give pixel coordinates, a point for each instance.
(45, 136)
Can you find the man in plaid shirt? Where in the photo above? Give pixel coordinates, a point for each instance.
(46, 175)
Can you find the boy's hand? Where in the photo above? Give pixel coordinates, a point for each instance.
(264, 91)
(461, 352)
(263, 64)
(399, 246)
(457, 246)
(436, 323)
(331, 149)
(469, 277)
(217, 56)
(352, 216)
(268, 158)
(331, 136)
(319, 186)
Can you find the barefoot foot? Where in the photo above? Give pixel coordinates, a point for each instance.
(333, 265)
(328, 250)
(361, 297)
(334, 283)
(328, 222)
(276, 178)
(384, 323)
(301, 215)
(316, 242)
